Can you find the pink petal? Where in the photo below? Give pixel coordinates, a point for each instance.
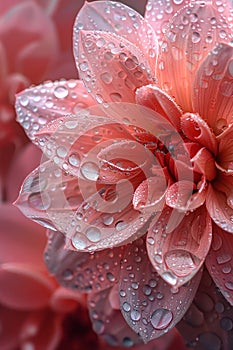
(111, 67)
(204, 163)
(119, 19)
(150, 306)
(183, 195)
(177, 255)
(158, 13)
(50, 101)
(197, 130)
(219, 262)
(188, 38)
(108, 321)
(213, 88)
(33, 287)
(22, 241)
(208, 322)
(64, 300)
(219, 205)
(225, 151)
(152, 97)
(80, 272)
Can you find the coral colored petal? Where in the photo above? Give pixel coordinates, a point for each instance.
(119, 19)
(179, 254)
(220, 205)
(64, 300)
(111, 67)
(153, 97)
(21, 240)
(204, 163)
(59, 98)
(213, 88)
(159, 12)
(219, 262)
(197, 130)
(108, 322)
(23, 287)
(80, 271)
(181, 197)
(208, 322)
(189, 37)
(160, 306)
(225, 151)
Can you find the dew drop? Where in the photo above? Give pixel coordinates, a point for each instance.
(83, 66)
(210, 341)
(116, 97)
(135, 315)
(106, 78)
(108, 220)
(169, 277)
(78, 241)
(61, 152)
(98, 326)
(196, 37)
(126, 306)
(93, 234)
(90, 171)
(61, 92)
(24, 101)
(161, 318)
(74, 160)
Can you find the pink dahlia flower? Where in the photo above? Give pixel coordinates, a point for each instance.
(140, 183)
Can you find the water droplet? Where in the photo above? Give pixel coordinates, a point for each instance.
(106, 78)
(67, 274)
(229, 285)
(210, 341)
(126, 306)
(98, 326)
(196, 37)
(83, 66)
(110, 277)
(169, 277)
(108, 220)
(61, 152)
(61, 92)
(161, 318)
(135, 315)
(90, 171)
(79, 241)
(24, 101)
(39, 201)
(116, 97)
(127, 342)
(93, 234)
(120, 225)
(74, 160)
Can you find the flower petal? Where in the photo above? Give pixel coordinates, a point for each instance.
(225, 151)
(82, 272)
(178, 255)
(213, 88)
(153, 97)
(111, 67)
(219, 205)
(107, 320)
(39, 105)
(150, 306)
(119, 19)
(189, 37)
(33, 287)
(158, 13)
(219, 262)
(208, 322)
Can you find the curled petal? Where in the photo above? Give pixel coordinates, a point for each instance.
(197, 130)
(81, 271)
(160, 306)
(208, 322)
(179, 254)
(153, 97)
(159, 12)
(183, 195)
(220, 204)
(111, 67)
(213, 88)
(204, 163)
(60, 98)
(33, 287)
(119, 19)
(189, 37)
(225, 153)
(107, 320)
(219, 262)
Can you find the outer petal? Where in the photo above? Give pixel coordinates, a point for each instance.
(159, 12)
(107, 320)
(178, 255)
(150, 306)
(39, 105)
(111, 67)
(188, 39)
(153, 97)
(83, 272)
(219, 262)
(117, 18)
(219, 205)
(213, 88)
(208, 322)
(225, 153)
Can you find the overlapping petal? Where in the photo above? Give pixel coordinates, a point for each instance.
(225, 154)
(150, 306)
(213, 88)
(195, 30)
(178, 253)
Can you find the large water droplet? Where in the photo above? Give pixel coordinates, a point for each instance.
(61, 92)
(90, 171)
(79, 241)
(93, 234)
(210, 341)
(74, 160)
(161, 318)
(135, 315)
